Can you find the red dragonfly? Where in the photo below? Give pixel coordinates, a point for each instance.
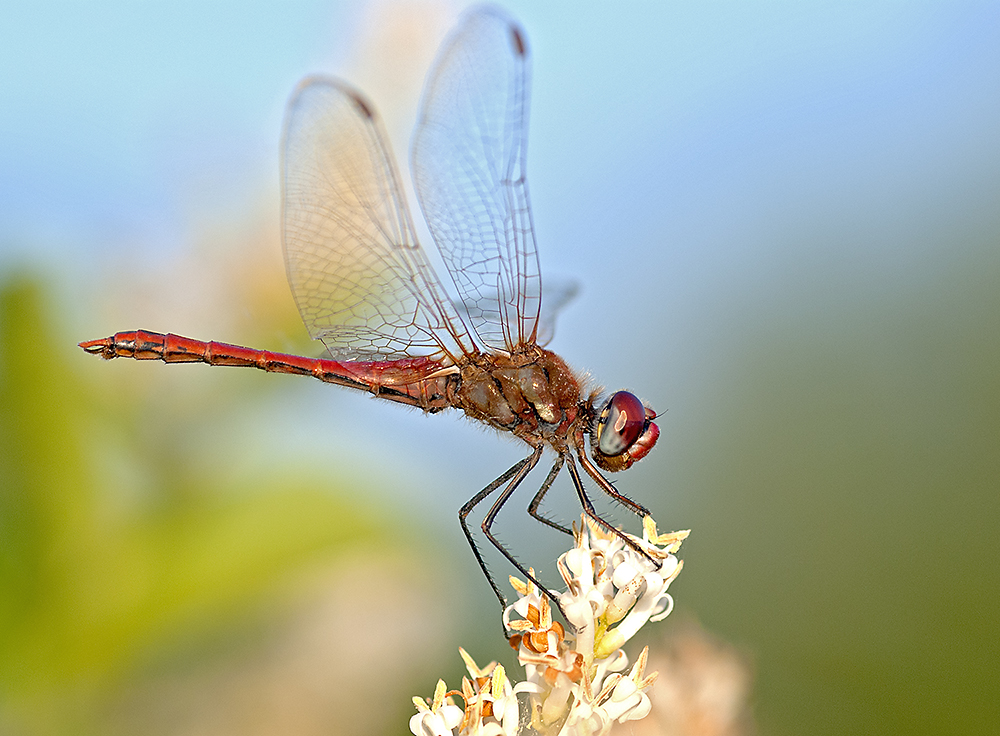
(366, 289)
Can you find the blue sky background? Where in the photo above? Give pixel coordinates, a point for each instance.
(114, 112)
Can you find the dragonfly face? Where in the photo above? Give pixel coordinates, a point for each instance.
(623, 433)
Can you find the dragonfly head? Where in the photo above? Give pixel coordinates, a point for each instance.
(623, 432)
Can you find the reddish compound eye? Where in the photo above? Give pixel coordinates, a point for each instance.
(622, 421)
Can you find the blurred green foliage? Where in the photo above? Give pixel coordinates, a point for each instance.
(851, 510)
(94, 581)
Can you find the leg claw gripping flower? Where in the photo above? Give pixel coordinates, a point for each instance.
(574, 682)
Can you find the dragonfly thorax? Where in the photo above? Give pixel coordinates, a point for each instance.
(530, 392)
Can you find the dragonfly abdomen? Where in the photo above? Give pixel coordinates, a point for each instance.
(415, 381)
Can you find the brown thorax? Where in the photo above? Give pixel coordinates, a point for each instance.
(531, 392)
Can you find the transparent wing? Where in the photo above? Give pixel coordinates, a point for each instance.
(361, 281)
(469, 172)
(556, 294)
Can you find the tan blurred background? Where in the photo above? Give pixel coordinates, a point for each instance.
(784, 220)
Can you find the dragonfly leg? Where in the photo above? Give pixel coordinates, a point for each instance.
(512, 477)
(537, 500)
(636, 508)
(528, 464)
(588, 507)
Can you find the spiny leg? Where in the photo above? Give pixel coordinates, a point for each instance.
(588, 508)
(537, 500)
(517, 472)
(636, 508)
(498, 504)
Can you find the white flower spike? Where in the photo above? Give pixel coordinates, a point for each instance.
(574, 683)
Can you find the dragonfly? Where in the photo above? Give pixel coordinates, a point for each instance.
(366, 289)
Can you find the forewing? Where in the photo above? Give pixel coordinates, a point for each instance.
(361, 281)
(469, 171)
(556, 295)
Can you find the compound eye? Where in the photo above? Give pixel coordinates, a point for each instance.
(622, 421)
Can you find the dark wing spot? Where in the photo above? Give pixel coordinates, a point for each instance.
(362, 105)
(518, 39)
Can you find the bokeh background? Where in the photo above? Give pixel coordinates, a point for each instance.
(785, 221)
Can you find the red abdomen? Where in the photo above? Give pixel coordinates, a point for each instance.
(422, 382)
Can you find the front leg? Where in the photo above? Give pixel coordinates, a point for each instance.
(588, 508)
